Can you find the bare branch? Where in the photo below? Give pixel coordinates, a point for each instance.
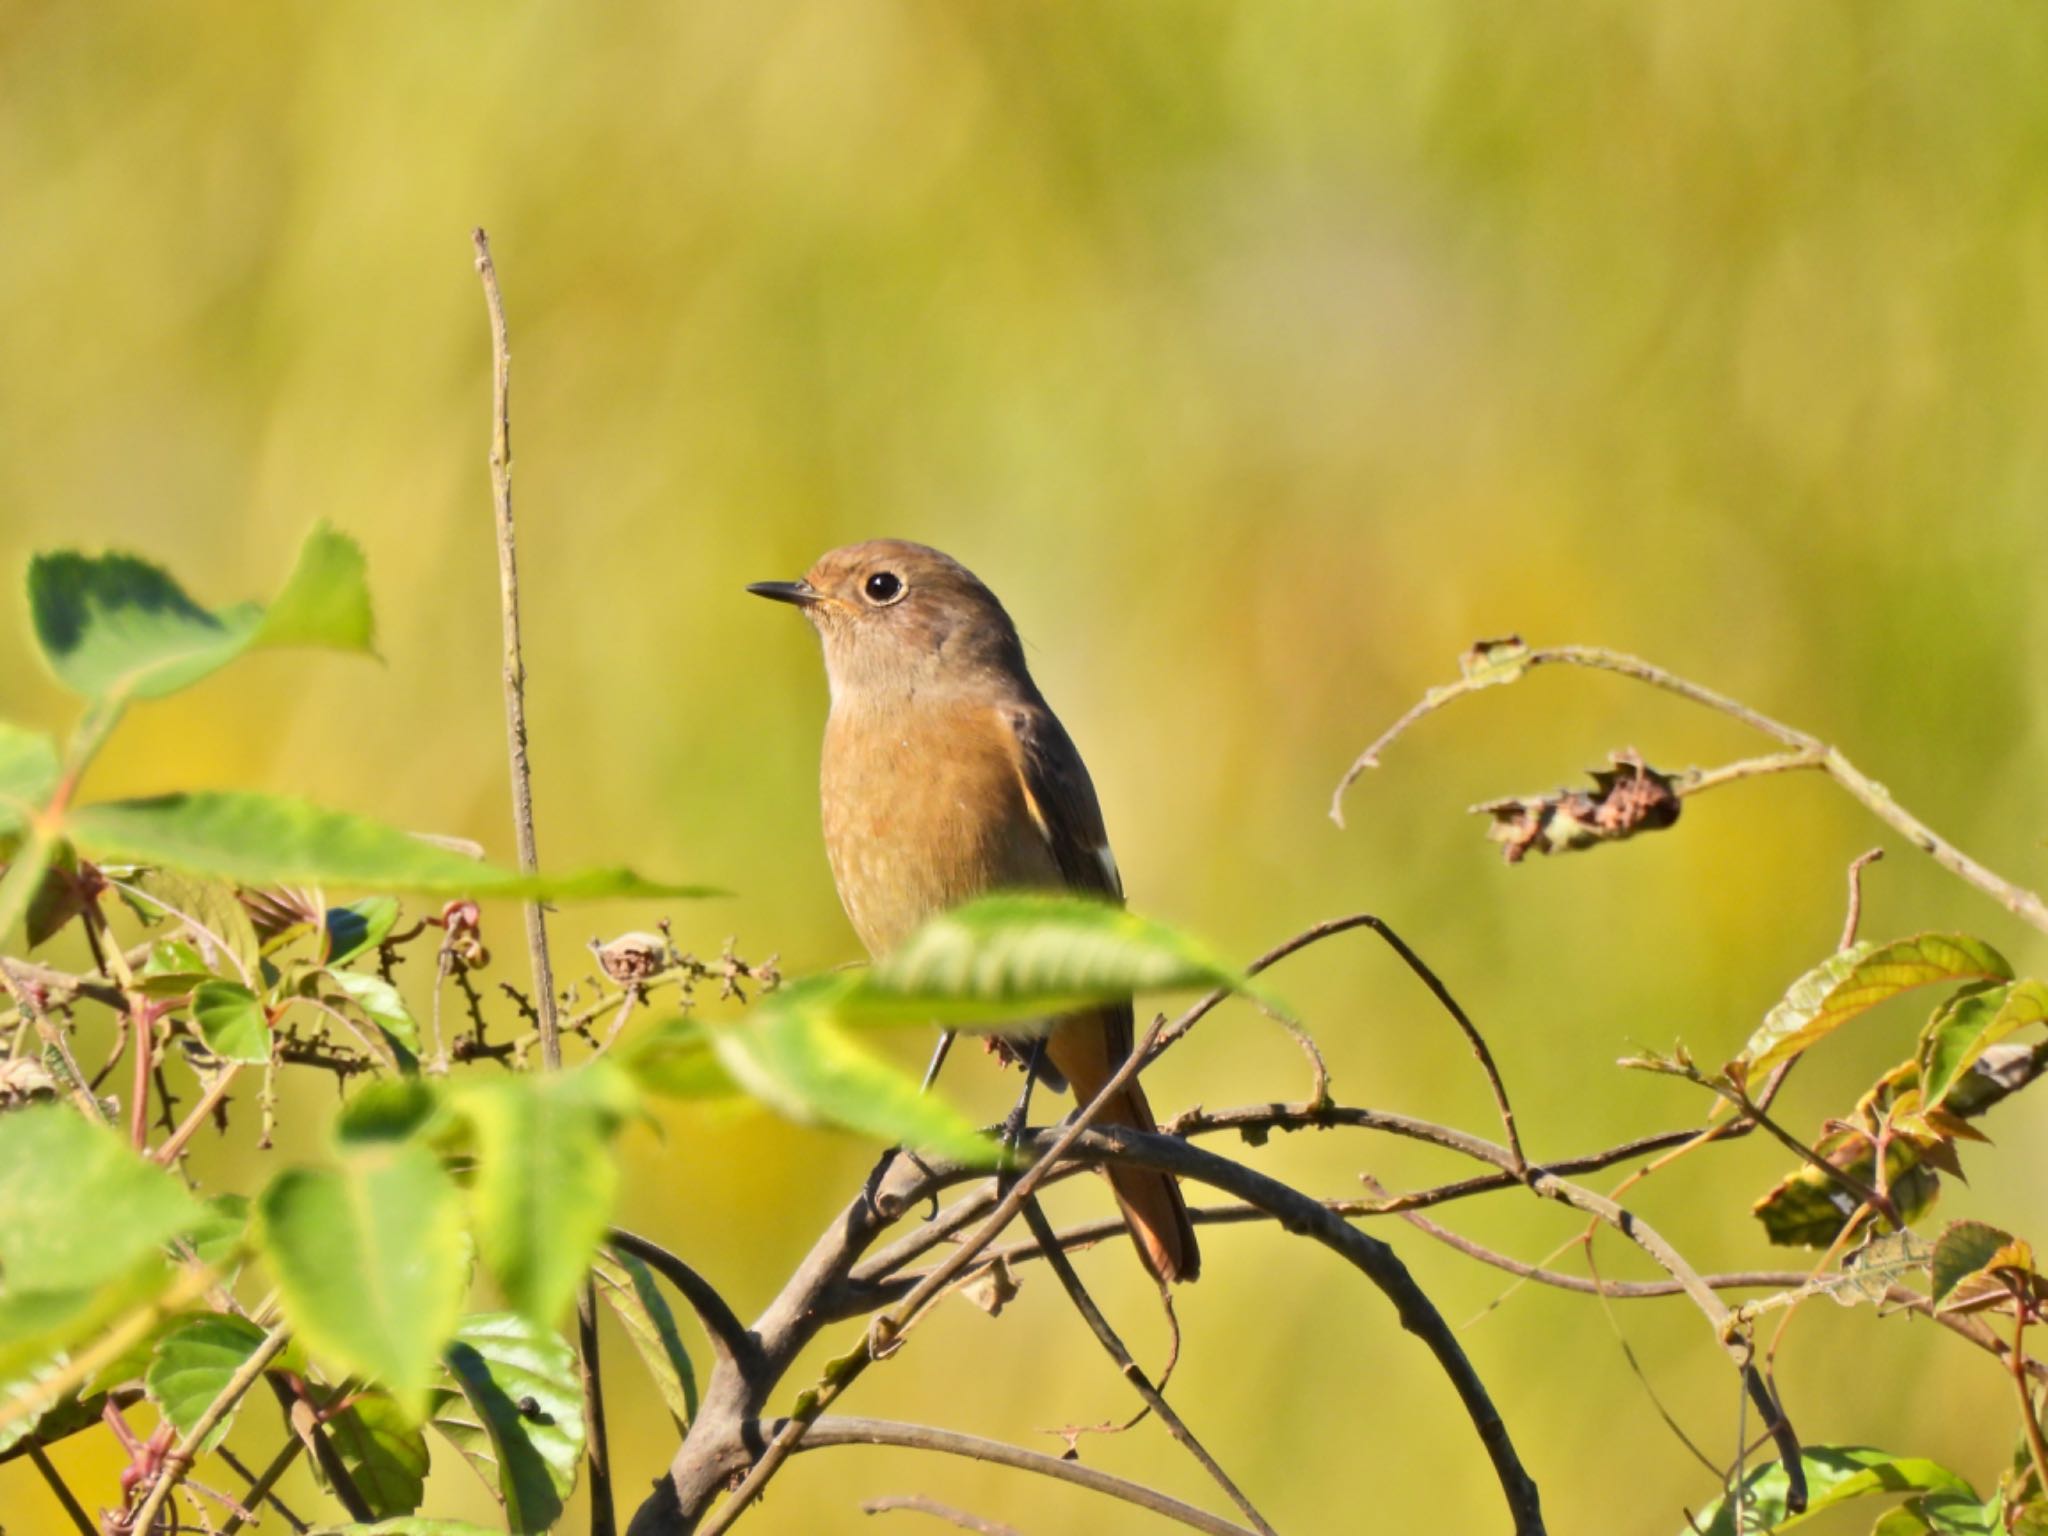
(61, 1490)
(1871, 795)
(833, 1430)
(924, 1506)
(1854, 919)
(1055, 1256)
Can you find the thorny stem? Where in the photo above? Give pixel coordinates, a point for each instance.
(1806, 751)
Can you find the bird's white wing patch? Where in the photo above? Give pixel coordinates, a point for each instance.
(1108, 859)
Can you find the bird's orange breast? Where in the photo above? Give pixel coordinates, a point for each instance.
(924, 809)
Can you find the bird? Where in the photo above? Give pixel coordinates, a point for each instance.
(944, 776)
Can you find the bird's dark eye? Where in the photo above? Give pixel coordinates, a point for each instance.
(883, 587)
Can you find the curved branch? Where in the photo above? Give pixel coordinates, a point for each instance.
(834, 1430)
(730, 1341)
(1806, 749)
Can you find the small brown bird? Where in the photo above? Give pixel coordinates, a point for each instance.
(947, 776)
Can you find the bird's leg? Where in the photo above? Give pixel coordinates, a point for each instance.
(931, 1073)
(1013, 1125)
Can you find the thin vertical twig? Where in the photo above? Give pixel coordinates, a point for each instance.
(603, 1522)
(515, 664)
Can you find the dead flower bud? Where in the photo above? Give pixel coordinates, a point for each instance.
(993, 1289)
(1627, 798)
(632, 957)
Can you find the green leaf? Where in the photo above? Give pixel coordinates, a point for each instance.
(630, 1288)
(213, 916)
(231, 1021)
(381, 1003)
(222, 1230)
(276, 839)
(1859, 978)
(28, 773)
(790, 1053)
(24, 876)
(546, 1179)
(58, 899)
(116, 627)
(56, 1166)
(1834, 1475)
(386, 1456)
(193, 1364)
(523, 1425)
(387, 1110)
(1943, 1514)
(1965, 1249)
(1970, 1024)
(326, 600)
(1008, 957)
(370, 1262)
(359, 926)
(38, 1327)
(674, 1058)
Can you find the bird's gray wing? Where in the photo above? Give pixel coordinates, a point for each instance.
(1061, 800)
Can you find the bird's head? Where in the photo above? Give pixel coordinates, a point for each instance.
(897, 617)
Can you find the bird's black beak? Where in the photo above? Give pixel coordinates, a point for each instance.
(802, 593)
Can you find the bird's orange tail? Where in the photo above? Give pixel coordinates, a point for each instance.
(1151, 1200)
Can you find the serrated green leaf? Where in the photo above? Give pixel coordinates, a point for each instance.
(1969, 1025)
(269, 839)
(193, 1363)
(55, 1165)
(1943, 1514)
(231, 1021)
(635, 1296)
(370, 1262)
(385, 1453)
(115, 627)
(790, 1053)
(359, 926)
(29, 767)
(1859, 978)
(1835, 1474)
(546, 1179)
(1005, 958)
(379, 1002)
(518, 1418)
(675, 1059)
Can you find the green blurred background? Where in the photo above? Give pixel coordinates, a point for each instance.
(1261, 358)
